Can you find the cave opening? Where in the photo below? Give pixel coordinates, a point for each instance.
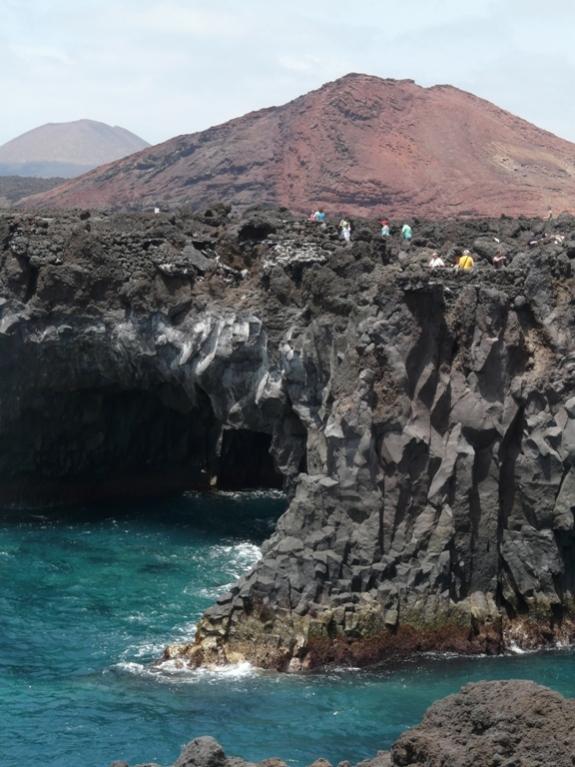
(255, 231)
(246, 462)
(105, 444)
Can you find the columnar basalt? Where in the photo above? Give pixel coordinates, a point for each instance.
(422, 422)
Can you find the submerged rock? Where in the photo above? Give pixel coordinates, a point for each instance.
(422, 423)
(488, 724)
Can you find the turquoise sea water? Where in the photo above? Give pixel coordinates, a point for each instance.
(89, 597)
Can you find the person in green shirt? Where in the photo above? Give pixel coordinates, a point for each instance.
(406, 232)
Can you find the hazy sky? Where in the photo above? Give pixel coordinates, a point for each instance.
(164, 67)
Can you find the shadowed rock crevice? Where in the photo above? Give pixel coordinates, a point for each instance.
(245, 461)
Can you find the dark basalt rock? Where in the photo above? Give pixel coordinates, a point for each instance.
(489, 724)
(422, 423)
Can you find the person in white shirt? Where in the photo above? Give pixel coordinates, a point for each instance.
(436, 261)
(345, 230)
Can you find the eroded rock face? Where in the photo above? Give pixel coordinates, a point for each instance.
(423, 423)
(489, 724)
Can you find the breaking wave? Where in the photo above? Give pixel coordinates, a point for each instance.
(170, 672)
(231, 561)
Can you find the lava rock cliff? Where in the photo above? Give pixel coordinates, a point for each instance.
(422, 423)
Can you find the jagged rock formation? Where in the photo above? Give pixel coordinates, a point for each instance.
(362, 145)
(423, 423)
(503, 724)
(66, 149)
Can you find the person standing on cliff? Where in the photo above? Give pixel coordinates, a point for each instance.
(318, 216)
(385, 230)
(406, 233)
(345, 230)
(436, 261)
(499, 259)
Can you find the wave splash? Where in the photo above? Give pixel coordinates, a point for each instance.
(234, 560)
(173, 672)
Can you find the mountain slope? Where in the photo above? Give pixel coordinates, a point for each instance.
(67, 149)
(360, 144)
(14, 188)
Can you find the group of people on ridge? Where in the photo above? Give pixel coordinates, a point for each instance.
(406, 230)
(464, 262)
(344, 226)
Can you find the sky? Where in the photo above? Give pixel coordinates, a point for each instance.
(165, 67)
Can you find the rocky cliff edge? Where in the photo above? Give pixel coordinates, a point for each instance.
(422, 423)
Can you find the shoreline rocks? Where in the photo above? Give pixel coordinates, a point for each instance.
(495, 724)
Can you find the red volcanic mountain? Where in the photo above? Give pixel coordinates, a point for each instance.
(361, 145)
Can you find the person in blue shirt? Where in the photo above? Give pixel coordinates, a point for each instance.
(319, 216)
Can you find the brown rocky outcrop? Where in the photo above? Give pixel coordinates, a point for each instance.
(503, 724)
(361, 144)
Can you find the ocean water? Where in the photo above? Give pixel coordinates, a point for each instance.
(89, 597)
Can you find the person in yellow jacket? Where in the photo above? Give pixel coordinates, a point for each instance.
(465, 261)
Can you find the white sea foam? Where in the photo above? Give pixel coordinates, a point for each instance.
(138, 617)
(171, 671)
(240, 556)
(445, 655)
(243, 495)
(231, 671)
(212, 592)
(146, 650)
(186, 632)
(238, 559)
(344, 669)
